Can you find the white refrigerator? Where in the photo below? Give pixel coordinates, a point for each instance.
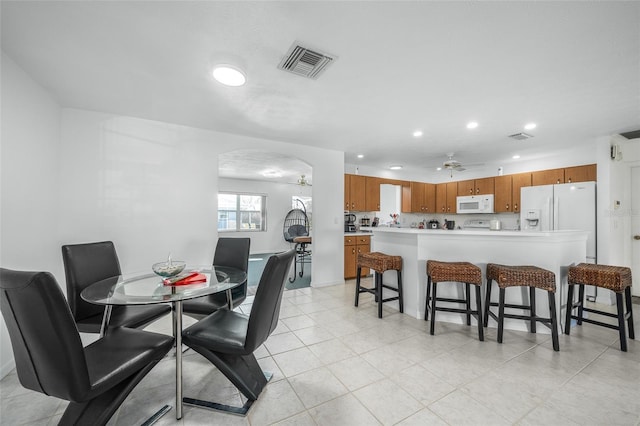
(562, 206)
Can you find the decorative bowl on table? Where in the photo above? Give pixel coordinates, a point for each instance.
(169, 269)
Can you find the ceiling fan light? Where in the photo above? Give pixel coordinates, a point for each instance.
(229, 75)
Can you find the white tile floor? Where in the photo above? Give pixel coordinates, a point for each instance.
(335, 364)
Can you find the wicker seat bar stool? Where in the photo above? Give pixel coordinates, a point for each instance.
(462, 272)
(614, 278)
(522, 276)
(379, 263)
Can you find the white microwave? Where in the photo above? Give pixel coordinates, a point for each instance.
(475, 204)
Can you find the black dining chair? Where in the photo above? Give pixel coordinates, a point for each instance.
(85, 264)
(232, 252)
(229, 338)
(50, 358)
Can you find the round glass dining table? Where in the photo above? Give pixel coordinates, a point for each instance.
(149, 288)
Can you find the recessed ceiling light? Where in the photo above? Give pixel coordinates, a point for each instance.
(472, 125)
(360, 156)
(439, 168)
(530, 126)
(229, 76)
(271, 174)
(417, 133)
(396, 167)
(515, 157)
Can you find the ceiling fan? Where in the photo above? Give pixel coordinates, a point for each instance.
(454, 165)
(303, 181)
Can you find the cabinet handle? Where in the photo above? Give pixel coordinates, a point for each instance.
(558, 181)
(515, 207)
(353, 205)
(569, 181)
(448, 208)
(477, 190)
(471, 191)
(507, 206)
(353, 251)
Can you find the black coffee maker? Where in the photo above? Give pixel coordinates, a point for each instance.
(349, 222)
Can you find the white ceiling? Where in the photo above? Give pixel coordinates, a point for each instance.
(572, 67)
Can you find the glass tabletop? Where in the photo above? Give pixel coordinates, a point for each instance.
(149, 288)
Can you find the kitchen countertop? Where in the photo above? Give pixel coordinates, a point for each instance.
(475, 232)
(358, 233)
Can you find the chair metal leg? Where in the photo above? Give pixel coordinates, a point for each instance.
(358, 271)
(554, 321)
(580, 303)
(621, 323)
(467, 290)
(532, 308)
(379, 292)
(567, 321)
(501, 315)
(479, 309)
(627, 294)
(487, 303)
(433, 308)
(426, 304)
(400, 299)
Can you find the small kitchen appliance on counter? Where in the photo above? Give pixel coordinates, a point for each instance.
(433, 224)
(365, 221)
(349, 222)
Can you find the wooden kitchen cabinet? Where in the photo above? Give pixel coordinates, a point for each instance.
(372, 193)
(423, 197)
(547, 177)
(352, 246)
(503, 193)
(354, 192)
(507, 192)
(476, 186)
(580, 173)
(446, 195)
(518, 181)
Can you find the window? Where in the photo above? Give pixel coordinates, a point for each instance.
(242, 212)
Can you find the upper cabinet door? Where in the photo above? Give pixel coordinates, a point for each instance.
(485, 186)
(441, 198)
(357, 189)
(580, 173)
(466, 187)
(417, 197)
(347, 192)
(518, 181)
(452, 195)
(502, 200)
(547, 177)
(429, 197)
(372, 196)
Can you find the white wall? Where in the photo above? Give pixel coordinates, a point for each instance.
(278, 205)
(152, 188)
(30, 135)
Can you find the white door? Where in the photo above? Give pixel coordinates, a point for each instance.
(635, 230)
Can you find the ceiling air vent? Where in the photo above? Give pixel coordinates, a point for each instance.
(305, 62)
(520, 136)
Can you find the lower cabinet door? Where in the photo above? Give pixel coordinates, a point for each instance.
(350, 259)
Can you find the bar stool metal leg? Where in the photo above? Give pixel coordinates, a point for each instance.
(358, 285)
(400, 300)
(433, 309)
(567, 320)
(580, 303)
(621, 322)
(379, 292)
(487, 303)
(554, 321)
(627, 294)
(479, 309)
(532, 311)
(426, 305)
(501, 315)
(467, 290)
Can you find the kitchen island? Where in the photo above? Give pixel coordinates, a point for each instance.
(552, 250)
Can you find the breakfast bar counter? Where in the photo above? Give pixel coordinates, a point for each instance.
(551, 250)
